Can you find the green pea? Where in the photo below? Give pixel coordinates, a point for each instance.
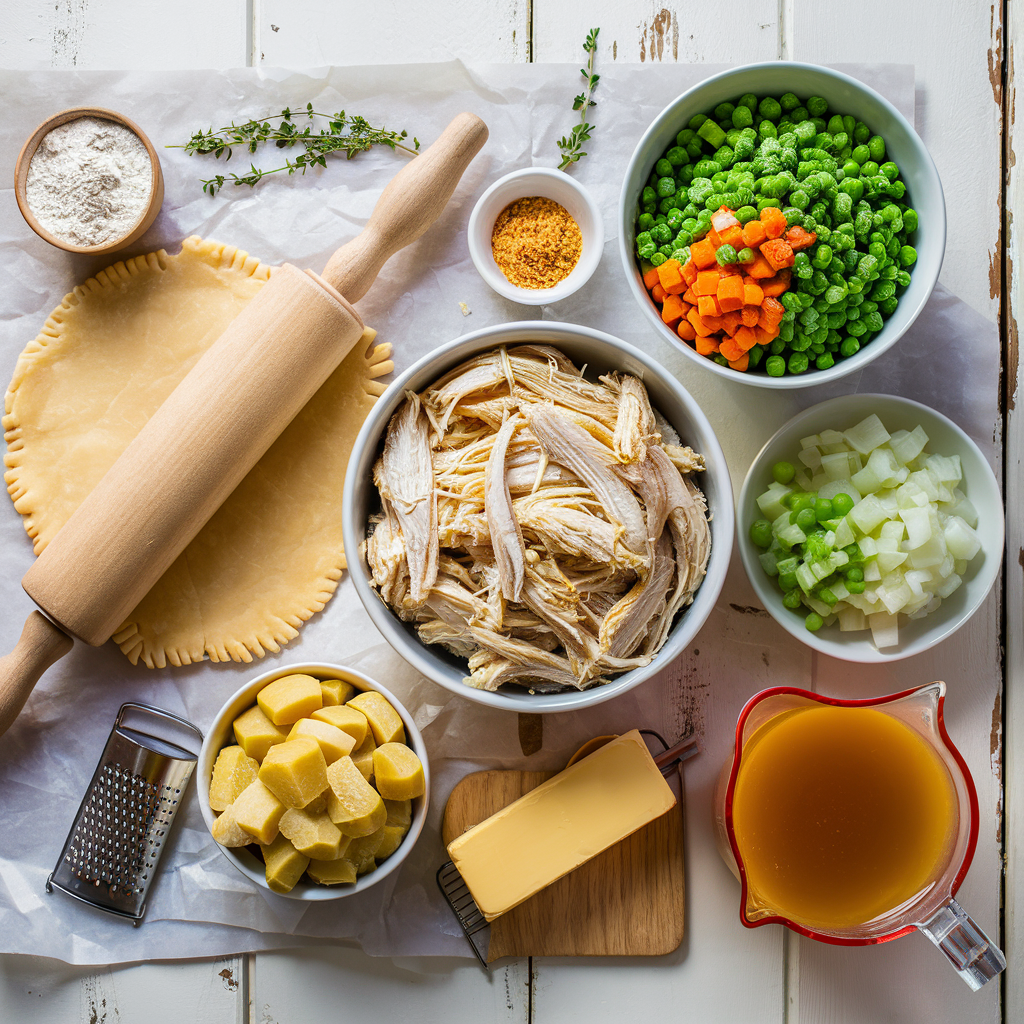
(657, 259)
(783, 472)
(792, 599)
(854, 573)
(770, 108)
(746, 255)
(761, 530)
(725, 254)
(823, 510)
(849, 346)
(775, 365)
(908, 255)
(876, 146)
(825, 361)
(842, 504)
(868, 169)
(798, 362)
(856, 586)
(814, 622)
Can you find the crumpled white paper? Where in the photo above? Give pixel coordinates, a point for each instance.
(201, 906)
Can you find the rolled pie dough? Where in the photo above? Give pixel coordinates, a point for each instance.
(106, 358)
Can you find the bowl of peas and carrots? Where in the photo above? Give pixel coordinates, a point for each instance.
(781, 224)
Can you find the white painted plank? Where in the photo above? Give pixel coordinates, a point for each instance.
(1014, 574)
(123, 34)
(333, 983)
(42, 991)
(650, 31)
(318, 32)
(956, 99)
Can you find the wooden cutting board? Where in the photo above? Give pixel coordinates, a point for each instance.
(627, 901)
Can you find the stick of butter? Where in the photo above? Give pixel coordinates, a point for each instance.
(561, 824)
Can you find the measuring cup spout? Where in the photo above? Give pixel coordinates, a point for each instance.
(976, 958)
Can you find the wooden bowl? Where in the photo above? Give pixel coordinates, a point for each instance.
(25, 158)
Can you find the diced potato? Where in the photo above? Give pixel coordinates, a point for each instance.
(233, 770)
(383, 718)
(286, 700)
(332, 872)
(256, 734)
(362, 756)
(285, 864)
(228, 832)
(318, 804)
(363, 851)
(398, 772)
(259, 812)
(345, 718)
(393, 836)
(353, 804)
(399, 812)
(336, 692)
(315, 835)
(333, 742)
(295, 771)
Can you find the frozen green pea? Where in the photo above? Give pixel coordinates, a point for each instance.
(742, 117)
(783, 472)
(856, 586)
(789, 101)
(876, 146)
(746, 255)
(666, 187)
(761, 529)
(663, 168)
(658, 258)
(770, 108)
(798, 362)
(849, 346)
(909, 220)
(775, 365)
(868, 169)
(825, 361)
(860, 155)
(725, 254)
(814, 622)
(791, 599)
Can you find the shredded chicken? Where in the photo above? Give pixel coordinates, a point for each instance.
(538, 523)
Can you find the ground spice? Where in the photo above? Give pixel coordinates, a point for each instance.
(536, 242)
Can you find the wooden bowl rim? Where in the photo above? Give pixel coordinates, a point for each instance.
(28, 150)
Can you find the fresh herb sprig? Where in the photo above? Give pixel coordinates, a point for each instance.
(343, 134)
(571, 144)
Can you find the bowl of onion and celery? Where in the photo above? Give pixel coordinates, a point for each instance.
(538, 516)
(871, 527)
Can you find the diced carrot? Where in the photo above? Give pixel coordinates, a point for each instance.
(685, 330)
(774, 221)
(722, 219)
(798, 238)
(707, 346)
(730, 348)
(742, 363)
(651, 278)
(707, 305)
(731, 270)
(690, 296)
(760, 268)
(778, 252)
(730, 293)
(698, 324)
(714, 323)
(703, 254)
(707, 282)
(670, 273)
(714, 238)
(689, 271)
(730, 321)
(672, 310)
(745, 338)
(733, 236)
(765, 335)
(753, 233)
(750, 315)
(775, 286)
(658, 294)
(752, 294)
(773, 309)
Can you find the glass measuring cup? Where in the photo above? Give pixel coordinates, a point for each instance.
(933, 909)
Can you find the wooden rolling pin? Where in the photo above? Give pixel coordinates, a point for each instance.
(216, 425)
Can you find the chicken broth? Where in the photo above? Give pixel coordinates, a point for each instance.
(841, 815)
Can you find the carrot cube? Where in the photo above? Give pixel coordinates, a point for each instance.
(651, 278)
(703, 254)
(760, 267)
(672, 310)
(690, 296)
(745, 338)
(733, 236)
(742, 363)
(775, 286)
(730, 293)
(778, 252)
(713, 323)
(750, 315)
(730, 321)
(752, 294)
(707, 283)
(714, 237)
(730, 348)
(707, 346)
(698, 324)
(753, 233)
(670, 273)
(685, 330)
(707, 305)
(689, 271)
(774, 221)
(798, 238)
(764, 335)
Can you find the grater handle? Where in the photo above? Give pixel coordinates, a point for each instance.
(41, 644)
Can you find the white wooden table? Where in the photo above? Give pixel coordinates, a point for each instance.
(965, 112)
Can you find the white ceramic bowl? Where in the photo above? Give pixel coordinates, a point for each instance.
(601, 353)
(220, 735)
(551, 184)
(944, 438)
(845, 95)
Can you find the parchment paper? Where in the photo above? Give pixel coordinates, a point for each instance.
(200, 906)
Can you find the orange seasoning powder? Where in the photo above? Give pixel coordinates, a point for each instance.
(536, 242)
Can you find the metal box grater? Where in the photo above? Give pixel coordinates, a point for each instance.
(114, 847)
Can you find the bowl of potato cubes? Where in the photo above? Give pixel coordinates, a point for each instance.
(313, 780)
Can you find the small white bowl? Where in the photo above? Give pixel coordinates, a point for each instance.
(220, 735)
(551, 184)
(944, 438)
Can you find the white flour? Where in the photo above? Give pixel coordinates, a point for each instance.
(89, 181)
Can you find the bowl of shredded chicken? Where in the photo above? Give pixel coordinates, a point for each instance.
(542, 515)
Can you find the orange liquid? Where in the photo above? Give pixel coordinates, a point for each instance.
(841, 815)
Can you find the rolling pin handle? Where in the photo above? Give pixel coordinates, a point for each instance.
(42, 643)
(409, 204)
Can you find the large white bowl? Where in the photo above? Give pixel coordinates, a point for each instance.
(220, 735)
(601, 353)
(845, 95)
(944, 438)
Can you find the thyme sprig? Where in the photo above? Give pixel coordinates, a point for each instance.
(343, 134)
(571, 144)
